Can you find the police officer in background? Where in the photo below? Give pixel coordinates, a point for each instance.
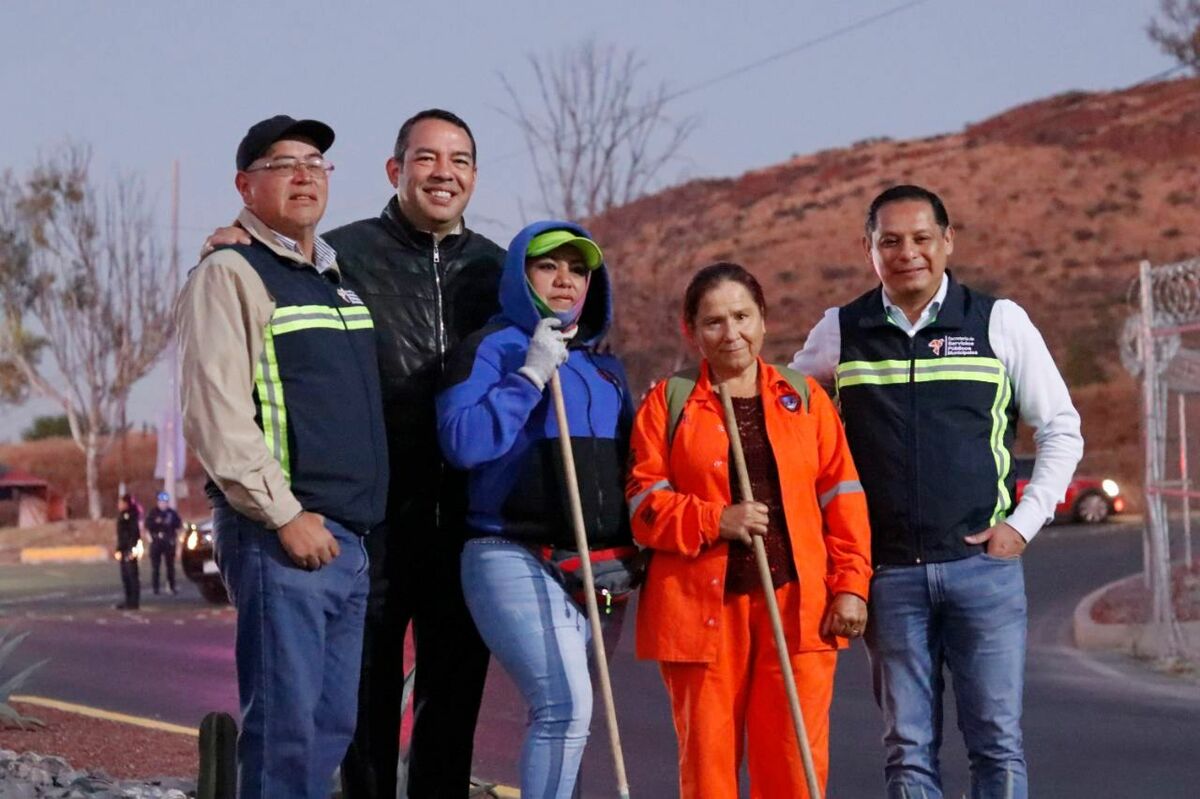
(163, 524)
(129, 534)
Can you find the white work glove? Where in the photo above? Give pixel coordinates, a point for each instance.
(547, 350)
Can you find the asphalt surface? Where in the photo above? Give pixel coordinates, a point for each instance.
(1095, 726)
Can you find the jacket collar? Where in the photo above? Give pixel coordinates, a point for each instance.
(268, 238)
(950, 314)
(771, 384)
(399, 226)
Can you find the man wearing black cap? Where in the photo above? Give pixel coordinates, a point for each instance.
(281, 403)
(429, 281)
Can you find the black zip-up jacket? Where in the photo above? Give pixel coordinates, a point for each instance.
(128, 532)
(424, 297)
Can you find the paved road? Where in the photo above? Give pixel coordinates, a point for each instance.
(1095, 727)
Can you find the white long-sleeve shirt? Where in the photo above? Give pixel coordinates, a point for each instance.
(1041, 396)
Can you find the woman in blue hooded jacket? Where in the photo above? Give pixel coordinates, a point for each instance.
(496, 420)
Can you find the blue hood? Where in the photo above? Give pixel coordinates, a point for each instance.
(516, 305)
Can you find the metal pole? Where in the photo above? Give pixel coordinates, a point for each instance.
(589, 584)
(1146, 352)
(1158, 566)
(1186, 480)
(764, 574)
(170, 468)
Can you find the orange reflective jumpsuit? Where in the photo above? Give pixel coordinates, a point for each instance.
(715, 651)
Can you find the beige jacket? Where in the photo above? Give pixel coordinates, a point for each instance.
(219, 321)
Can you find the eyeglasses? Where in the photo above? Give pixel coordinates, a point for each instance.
(316, 166)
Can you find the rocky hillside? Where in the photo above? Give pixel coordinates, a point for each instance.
(1055, 203)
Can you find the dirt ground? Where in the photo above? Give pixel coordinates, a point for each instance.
(123, 751)
(1129, 602)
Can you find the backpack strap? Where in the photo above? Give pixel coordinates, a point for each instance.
(680, 385)
(679, 388)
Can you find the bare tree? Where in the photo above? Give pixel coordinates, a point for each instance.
(596, 140)
(82, 265)
(1177, 32)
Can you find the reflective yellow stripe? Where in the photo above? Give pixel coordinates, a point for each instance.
(873, 373)
(357, 317)
(1000, 452)
(291, 318)
(286, 312)
(308, 324)
(271, 404)
(924, 370)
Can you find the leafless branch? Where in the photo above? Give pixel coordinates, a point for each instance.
(595, 139)
(84, 266)
(1177, 32)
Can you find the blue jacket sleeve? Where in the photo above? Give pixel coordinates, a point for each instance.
(480, 417)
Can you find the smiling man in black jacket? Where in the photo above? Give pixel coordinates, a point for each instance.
(428, 281)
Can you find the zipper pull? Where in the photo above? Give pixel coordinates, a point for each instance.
(437, 256)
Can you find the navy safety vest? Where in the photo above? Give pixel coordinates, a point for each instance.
(930, 422)
(316, 391)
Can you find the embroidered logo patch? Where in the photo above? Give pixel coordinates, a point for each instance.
(936, 345)
(349, 296)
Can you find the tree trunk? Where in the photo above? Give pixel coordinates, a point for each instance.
(92, 457)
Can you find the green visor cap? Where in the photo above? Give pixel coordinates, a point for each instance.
(553, 239)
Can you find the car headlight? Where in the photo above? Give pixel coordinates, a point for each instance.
(192, 539)
(1110, 487)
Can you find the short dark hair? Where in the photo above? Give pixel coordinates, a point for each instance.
(907, 191)
(430, 113)
(709, 278)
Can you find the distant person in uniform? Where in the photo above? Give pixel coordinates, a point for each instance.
(163, 525)
(129, 533)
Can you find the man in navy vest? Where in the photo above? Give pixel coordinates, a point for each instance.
(932, 377)
(281, 403)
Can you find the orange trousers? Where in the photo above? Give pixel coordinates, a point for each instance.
(741, 698)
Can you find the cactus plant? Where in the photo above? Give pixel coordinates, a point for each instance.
(10, 716)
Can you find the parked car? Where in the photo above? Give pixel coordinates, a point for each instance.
(198, 562)
(1089, 499)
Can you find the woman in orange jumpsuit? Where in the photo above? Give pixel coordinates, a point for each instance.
(701, 613)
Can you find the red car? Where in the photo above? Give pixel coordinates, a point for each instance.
(1089, 500)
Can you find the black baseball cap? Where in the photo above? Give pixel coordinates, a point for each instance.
(262, 135)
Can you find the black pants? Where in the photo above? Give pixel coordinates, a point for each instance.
(162, 551)
(415, 577)
(131, 581)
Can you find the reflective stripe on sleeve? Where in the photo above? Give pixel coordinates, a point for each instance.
(635, 503)
(844, 487)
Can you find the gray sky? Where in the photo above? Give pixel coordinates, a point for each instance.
(149, 82)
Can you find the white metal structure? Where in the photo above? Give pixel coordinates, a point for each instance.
(1152, 347)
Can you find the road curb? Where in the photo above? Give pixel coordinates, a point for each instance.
(77, 554)
(106, 715)
(1135, 639)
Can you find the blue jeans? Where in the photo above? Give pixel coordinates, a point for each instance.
(298, 650)
(969, 616)
(540, 636)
